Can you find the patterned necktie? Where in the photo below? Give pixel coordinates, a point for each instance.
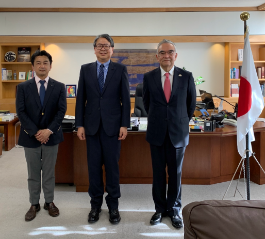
(167, 87)
(101, 78)
(42, 91)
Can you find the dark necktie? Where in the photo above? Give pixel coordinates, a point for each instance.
(101, 77)
(42, 91)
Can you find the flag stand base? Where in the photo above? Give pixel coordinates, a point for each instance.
(242, 161)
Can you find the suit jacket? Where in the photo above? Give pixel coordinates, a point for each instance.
(112, 106)
(34, 117)
(173, 116)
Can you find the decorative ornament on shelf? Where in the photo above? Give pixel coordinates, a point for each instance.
(199, 80)
(10, 56)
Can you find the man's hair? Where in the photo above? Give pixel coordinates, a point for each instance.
(40, 53)
(107, 37)
(166, 41)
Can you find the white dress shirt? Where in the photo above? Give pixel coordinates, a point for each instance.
(163, 77)
(37, 80)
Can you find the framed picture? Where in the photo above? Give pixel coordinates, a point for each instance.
(70, 91)
(22, 75)
(138, 62)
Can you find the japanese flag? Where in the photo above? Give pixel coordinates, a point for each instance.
(250, 102)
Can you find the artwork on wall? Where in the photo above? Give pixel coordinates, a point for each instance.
(70, 91)
(138, 62)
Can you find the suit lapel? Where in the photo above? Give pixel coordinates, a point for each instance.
(111, 70)
(157, 80)
(94, 77)
(48, 92)
(34, 90)
(176, 79)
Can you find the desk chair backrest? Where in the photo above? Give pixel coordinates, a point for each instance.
(139, 110)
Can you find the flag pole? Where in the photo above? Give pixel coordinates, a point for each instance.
(244, 16)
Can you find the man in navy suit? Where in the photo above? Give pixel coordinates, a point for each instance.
(102, 118)
(41, 106)
(169, 98)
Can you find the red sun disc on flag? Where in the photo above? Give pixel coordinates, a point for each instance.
(245, 97)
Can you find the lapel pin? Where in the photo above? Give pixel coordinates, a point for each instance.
(180, 75)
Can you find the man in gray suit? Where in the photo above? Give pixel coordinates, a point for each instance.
(169, 98)
(41, 106)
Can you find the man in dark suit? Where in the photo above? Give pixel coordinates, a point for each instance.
(169, 98)
(102, 117)
(41, 106)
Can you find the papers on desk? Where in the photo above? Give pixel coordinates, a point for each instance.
(138, 124)
(134, 121)
(143, 123)
(261, 119)
(69, 117)
(7, 117)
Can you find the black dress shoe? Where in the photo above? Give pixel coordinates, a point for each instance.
(93, 216)
(156, 218)
(176, 221)
(114, 216)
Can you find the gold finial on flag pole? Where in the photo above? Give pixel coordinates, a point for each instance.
(244, 16)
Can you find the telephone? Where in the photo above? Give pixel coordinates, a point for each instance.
(231, 122)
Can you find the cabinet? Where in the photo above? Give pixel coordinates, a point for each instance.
(231, 61)
(8, 87)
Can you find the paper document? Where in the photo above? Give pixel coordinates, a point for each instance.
(261, 119)
(69, 117)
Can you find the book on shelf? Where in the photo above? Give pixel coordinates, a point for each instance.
(234, 73)
(30, 75)
(23, 54)
(262, 72)
(9, 74)
(4, 76)
(237, 74)
(262, 87)
(259, 72)
(240, 54)
(240, 70)
(234, 90)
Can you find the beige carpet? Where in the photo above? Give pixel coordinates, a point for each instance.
(136, 207)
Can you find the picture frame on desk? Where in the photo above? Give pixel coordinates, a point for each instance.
(70, 91)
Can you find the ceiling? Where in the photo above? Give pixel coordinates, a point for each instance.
(128, 3)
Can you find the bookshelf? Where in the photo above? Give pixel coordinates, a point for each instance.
(8, 87)
(231, 61)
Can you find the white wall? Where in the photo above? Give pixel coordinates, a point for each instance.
(130, 24)
(202, 59)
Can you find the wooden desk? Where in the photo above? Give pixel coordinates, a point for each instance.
(64, 170)
(210, 158)
(9, 132)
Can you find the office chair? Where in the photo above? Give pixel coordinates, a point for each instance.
(139, 110)
(207, 98)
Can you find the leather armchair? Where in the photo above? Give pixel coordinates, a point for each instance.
(217, 219)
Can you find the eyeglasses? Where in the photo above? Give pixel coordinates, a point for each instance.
(100, 46)
(163, 53)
